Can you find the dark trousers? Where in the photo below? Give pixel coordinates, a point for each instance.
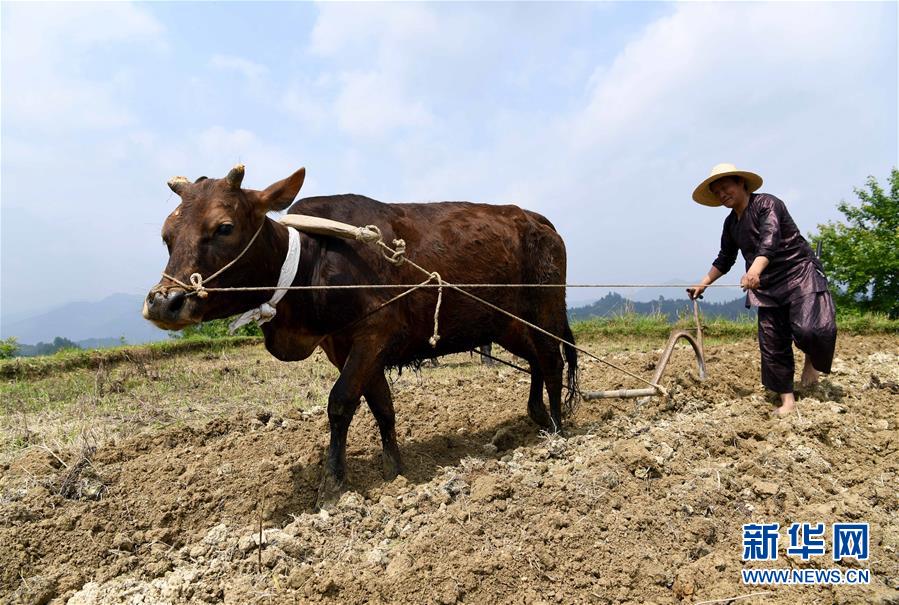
(809, 322)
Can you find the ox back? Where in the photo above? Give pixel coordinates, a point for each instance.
(465, 243)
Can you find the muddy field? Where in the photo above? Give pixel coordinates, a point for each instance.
(148, 482)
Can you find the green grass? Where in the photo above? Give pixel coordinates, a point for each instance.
(657, 326)
(156, 387)
(70, 359)
(853, 322)
(114, 393)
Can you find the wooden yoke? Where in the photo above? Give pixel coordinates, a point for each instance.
(324, 226)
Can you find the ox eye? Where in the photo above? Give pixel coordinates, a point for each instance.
(224, 229)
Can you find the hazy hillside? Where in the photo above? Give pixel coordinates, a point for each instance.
(113, 317)
(614, 304)
(48, 348)
(715, 294)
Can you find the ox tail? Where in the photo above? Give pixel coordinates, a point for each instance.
(570, 353)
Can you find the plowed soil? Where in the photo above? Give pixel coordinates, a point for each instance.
(639, 503)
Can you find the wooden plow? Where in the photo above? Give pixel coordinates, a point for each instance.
(695, 340)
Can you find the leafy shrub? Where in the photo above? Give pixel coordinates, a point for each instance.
(9, 347)
(861, 258)
(218, 328)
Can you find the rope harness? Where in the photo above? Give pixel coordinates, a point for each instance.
(396, 255)
(267, 310)
(196, 280)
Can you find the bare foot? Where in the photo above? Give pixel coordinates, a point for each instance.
(809, 374)
(787, 405)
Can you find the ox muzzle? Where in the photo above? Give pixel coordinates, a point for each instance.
(170, 308)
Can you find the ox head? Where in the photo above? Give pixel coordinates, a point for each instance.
(212, 225)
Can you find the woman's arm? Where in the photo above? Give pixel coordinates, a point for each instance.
(752, 279)
(710, 277)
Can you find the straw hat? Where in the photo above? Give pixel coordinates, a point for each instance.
(703, 195)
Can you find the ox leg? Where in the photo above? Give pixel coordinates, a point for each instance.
(518, 342)
(536, 409)
(380, 401)
(552, 366)
(334, 472)
(342, 403)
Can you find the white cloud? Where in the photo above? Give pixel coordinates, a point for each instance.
(214, 150)
(247, 68)
(98, 210)
(788, 90)
(305, 102)
(373, 104)
(772, 87)
(47, 85)
(710, 63)
(355, 30)
(40, 31)
(387, 56)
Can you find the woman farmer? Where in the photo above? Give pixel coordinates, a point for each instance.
(783, 279)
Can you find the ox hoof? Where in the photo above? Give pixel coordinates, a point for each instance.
(391, 468)
(329, 491)
(541, 418)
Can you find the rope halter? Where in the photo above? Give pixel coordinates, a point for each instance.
(197, 281)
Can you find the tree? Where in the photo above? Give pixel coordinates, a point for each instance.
(861, 258)
(60, 343)
(9, 347)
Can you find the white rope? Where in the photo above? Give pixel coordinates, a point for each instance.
(371, 234)
(436, 337)
(659, 388)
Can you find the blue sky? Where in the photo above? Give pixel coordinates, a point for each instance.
(602, 116)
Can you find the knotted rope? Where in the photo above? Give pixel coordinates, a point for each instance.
(433, 340)
(399, 253)
(397, 256)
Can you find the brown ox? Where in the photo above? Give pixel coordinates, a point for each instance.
(464, 242)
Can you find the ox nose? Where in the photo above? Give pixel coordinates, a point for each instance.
(164, 304)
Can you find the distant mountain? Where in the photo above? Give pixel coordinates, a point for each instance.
(100, 343)
(112, 318)
(614, 304)
(715, 294)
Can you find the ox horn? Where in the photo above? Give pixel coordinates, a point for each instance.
(177, 183)
(235, 177)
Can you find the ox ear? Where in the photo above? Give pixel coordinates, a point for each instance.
(280, 195)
